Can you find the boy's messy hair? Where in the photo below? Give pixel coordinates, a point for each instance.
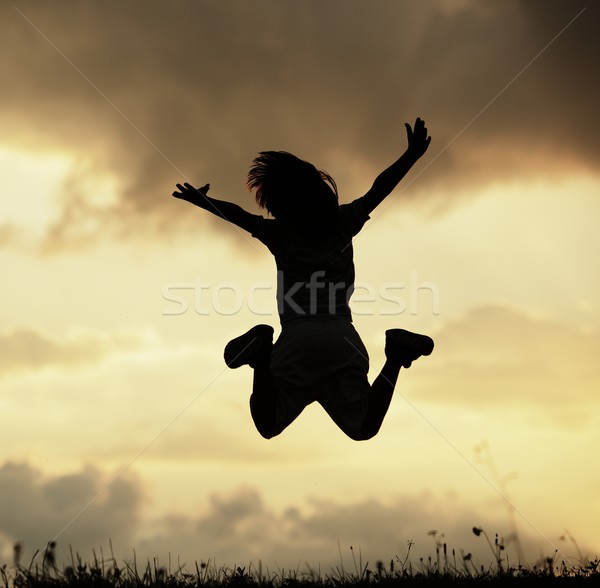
(292, 189)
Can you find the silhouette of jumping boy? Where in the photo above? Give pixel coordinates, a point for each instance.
(318, 356)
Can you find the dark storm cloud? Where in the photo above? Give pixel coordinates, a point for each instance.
(211, 83)
(239, 528)
(35, 509)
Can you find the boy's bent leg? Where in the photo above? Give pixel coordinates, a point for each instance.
(405, 347)
(380, 398)
(250, 348)
(254, 348)
(401, 349)
(273, 407)
(263, 401)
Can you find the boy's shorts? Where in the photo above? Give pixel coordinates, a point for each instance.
(324, 361)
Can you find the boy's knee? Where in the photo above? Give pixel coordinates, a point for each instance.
(266, 429)
(267, 433)
(362, 434)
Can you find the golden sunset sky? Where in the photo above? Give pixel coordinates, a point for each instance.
(120, 420)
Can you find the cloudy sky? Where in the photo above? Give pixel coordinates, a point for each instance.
(119, 418)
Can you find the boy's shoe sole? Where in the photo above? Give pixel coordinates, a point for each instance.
(406, 346)
(246, 348)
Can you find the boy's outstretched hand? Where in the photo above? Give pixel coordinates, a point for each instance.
(189, 193)
(418, 141)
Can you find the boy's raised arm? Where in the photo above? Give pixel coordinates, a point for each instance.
(387, 180)
(226, 210)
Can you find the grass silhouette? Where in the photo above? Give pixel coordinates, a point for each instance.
(446, 567)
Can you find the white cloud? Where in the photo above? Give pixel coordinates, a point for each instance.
(28, 349)
(499, 359)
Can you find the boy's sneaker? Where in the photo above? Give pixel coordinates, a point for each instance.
(249, 348)
(404, 346)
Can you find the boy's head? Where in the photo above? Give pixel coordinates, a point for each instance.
(292, 189)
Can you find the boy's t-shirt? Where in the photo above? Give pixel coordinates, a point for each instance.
(315, 269)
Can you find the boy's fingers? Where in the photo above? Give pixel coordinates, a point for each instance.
(187, 187)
